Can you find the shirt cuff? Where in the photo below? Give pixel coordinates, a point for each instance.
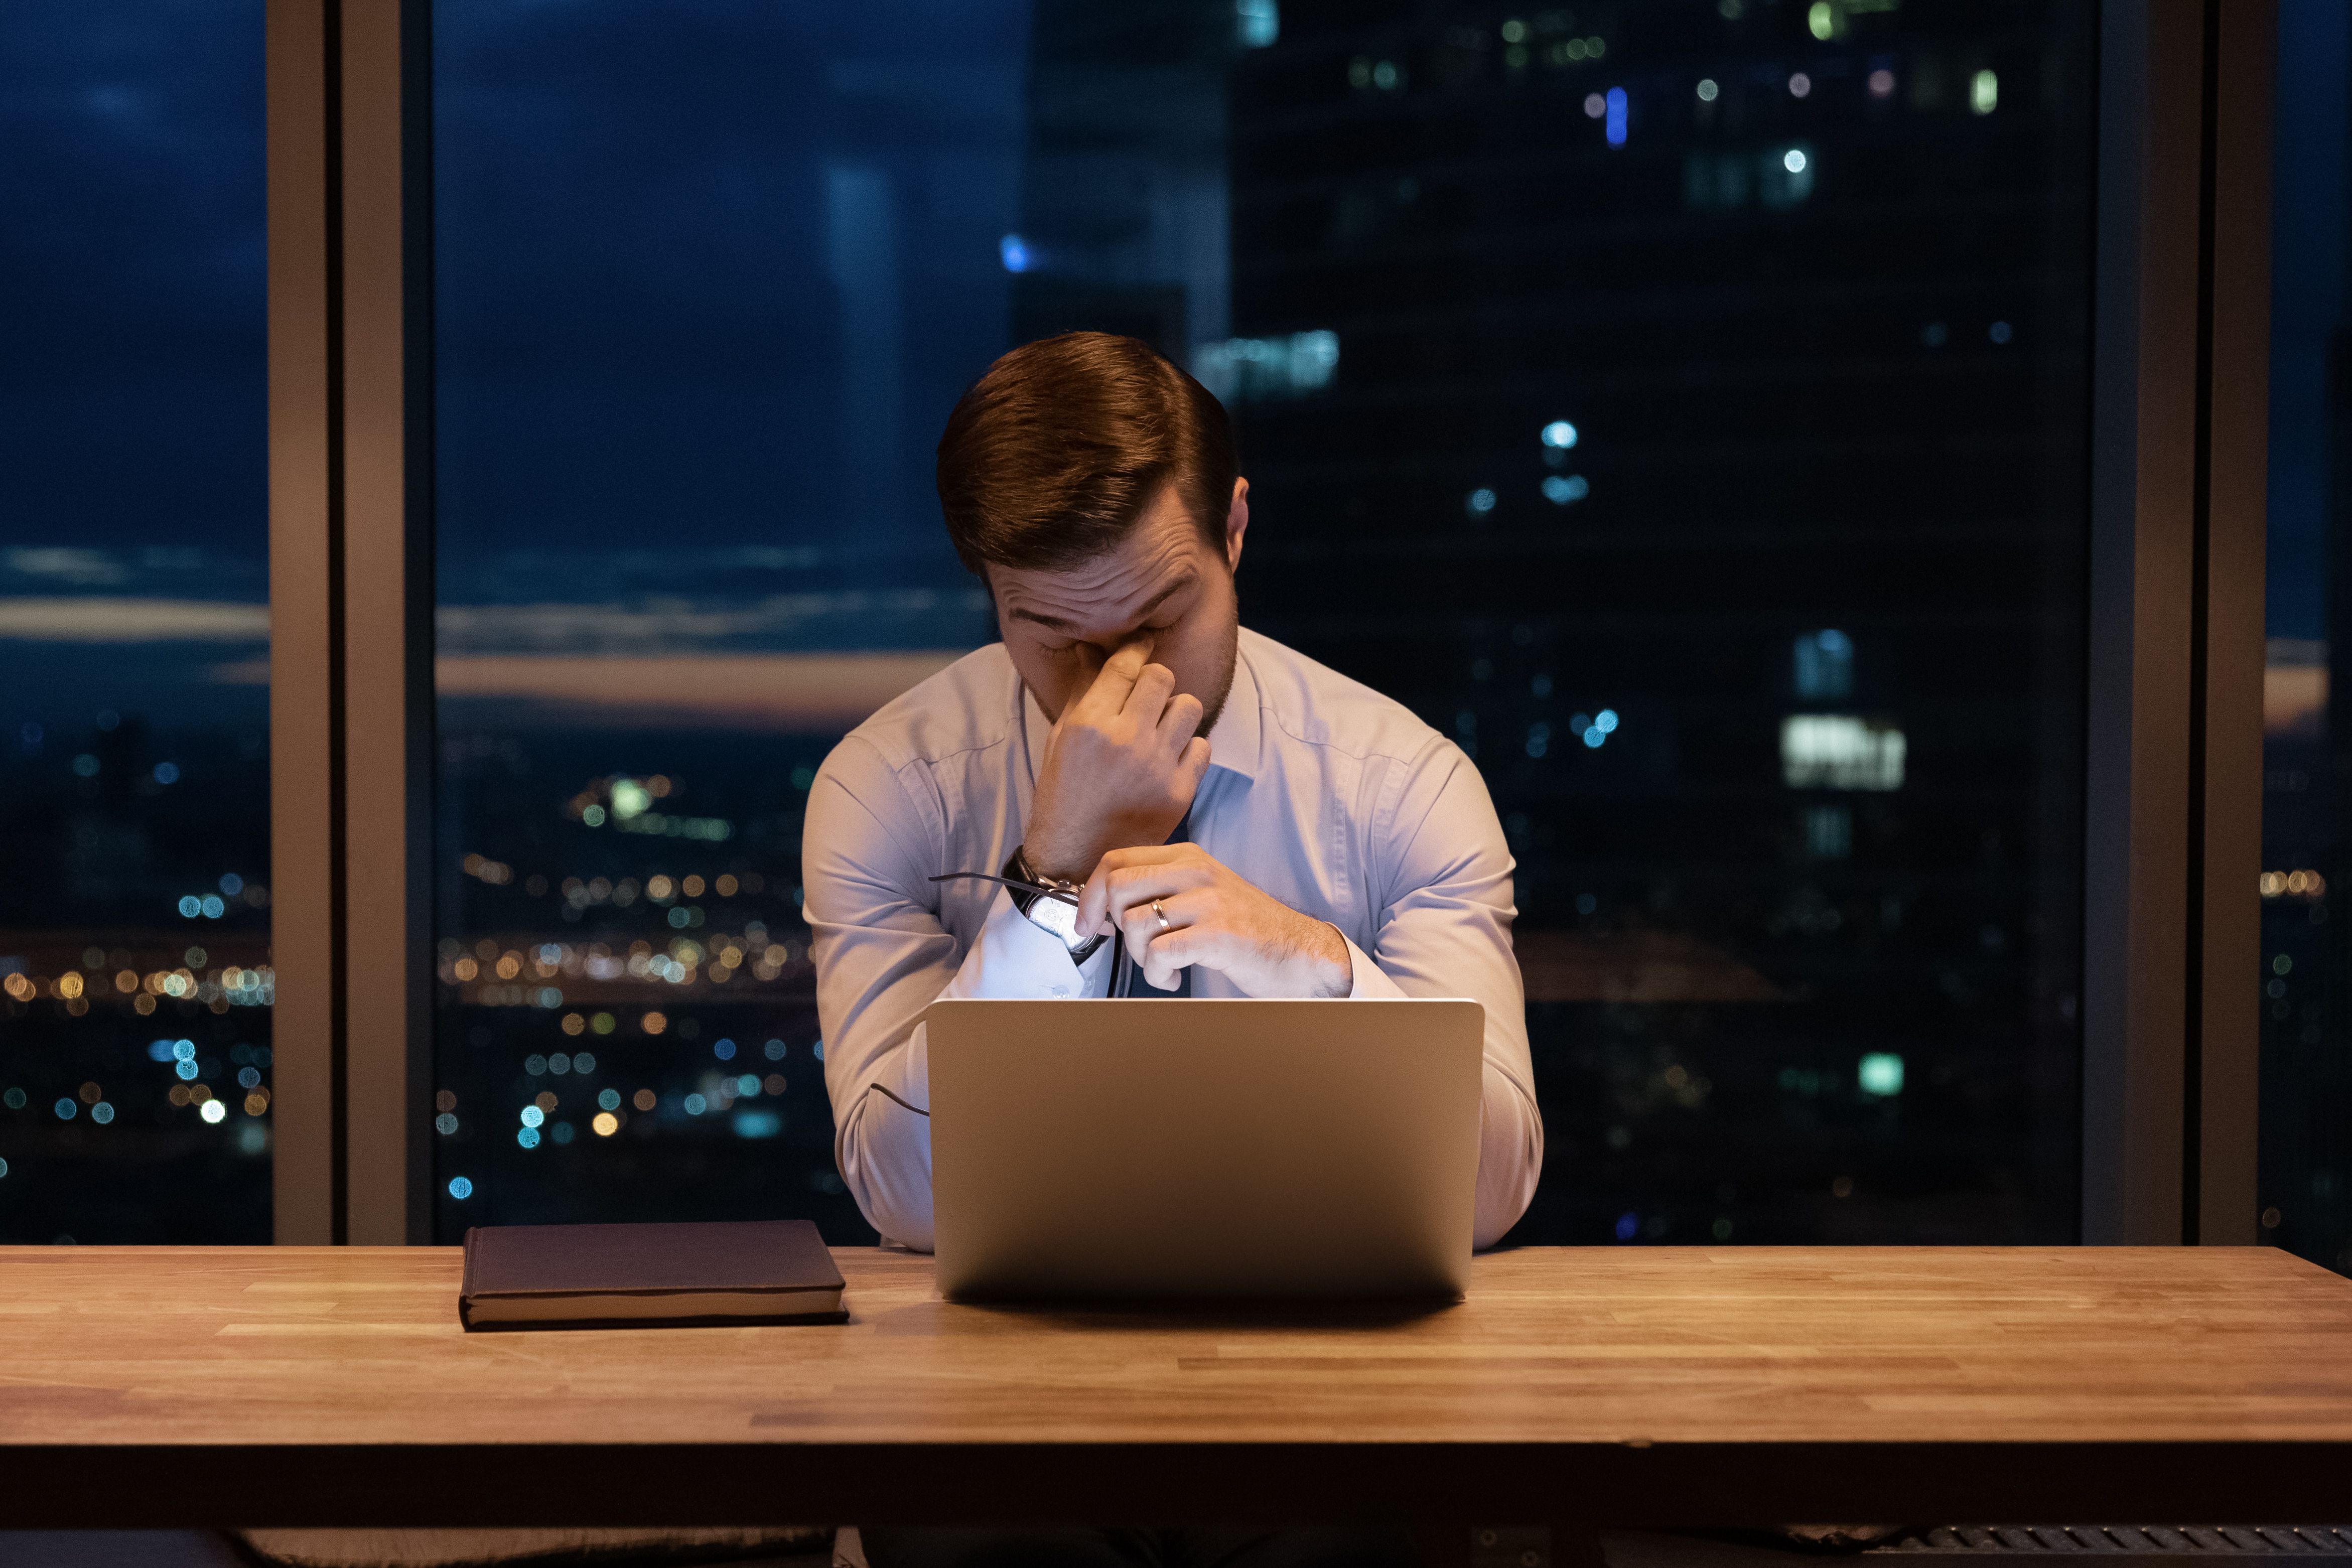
(1016, 959)
(1367, 978)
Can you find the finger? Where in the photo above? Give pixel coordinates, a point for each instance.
(1193, 766)
(1137, 926)
(1094, 906)
(1181, 720)
(1152, 930)
(1145, 854)
(1116, 679)
(1148, 698)
(1161, 970)
(1153, 948)
(1169, 953)
(1134, 887)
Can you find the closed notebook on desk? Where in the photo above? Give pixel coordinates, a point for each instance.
(723, 1274)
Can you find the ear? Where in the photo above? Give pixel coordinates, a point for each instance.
(1236, 525)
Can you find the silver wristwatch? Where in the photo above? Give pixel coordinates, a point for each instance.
(1050, 914)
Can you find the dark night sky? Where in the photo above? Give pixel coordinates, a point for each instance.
(131, 392)
(702, 262)
(646, 335)
(697, 262)
(2307, 299)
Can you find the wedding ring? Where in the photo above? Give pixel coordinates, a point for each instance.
(1161, 913)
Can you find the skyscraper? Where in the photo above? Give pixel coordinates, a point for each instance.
(1705, 451)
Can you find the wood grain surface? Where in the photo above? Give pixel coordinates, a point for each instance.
(291, 1385)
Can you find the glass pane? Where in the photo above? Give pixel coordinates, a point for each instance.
(1705, 450)
(1680, 405)
(2305, 1184)
(134, 624)
(703, 297)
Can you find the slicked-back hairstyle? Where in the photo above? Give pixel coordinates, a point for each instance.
(1054, 454)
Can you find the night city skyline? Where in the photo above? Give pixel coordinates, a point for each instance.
(1680, 407)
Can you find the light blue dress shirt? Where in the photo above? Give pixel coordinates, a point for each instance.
(1320, 792)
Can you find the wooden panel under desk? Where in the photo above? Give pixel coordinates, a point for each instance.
(289, 1386)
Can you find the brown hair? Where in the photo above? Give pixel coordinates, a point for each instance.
(1056, 451)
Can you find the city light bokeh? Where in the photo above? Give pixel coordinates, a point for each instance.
(136, 982)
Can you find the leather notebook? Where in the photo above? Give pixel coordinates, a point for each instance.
(728, 1274)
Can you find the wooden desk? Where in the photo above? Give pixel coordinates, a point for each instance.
(1633, 1385)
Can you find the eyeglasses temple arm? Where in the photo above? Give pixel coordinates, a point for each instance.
(1036, 887)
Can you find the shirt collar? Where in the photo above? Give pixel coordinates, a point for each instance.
(1232, 741)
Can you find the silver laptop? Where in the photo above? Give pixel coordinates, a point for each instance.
(1191, 1148)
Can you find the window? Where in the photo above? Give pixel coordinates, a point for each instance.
(708, 285)
(1685, 409)
(136, 1071)
(1671, 340)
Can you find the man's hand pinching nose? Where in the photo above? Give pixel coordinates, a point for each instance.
(1121, 768)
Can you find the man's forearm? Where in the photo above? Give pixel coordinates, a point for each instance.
(884, 1141)
(1510, 1132)
(883, 1146)
(1510, 1156)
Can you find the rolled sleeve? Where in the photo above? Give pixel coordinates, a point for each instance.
(882, 956)
(1443, 929)
(1366, 981)
(1016, 958)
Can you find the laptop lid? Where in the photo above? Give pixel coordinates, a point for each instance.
(1209, 1147)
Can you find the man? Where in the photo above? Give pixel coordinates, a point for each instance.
(1332, 843)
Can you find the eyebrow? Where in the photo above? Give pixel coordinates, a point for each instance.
(1056, 623)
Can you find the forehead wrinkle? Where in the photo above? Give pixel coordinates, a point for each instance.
(1074, 599)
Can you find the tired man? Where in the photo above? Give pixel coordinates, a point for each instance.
(1246, 822)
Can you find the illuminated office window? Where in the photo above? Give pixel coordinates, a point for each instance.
(134, 947)
(1824, 663)
(1681, 410)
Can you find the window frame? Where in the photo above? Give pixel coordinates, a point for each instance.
(2179, 447)
(351, 379)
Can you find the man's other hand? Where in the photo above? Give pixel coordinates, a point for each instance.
(1215, 919)
(1120, 768)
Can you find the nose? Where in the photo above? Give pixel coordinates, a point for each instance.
(1092, 656)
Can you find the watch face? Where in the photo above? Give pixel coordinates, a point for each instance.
(1061, 919)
